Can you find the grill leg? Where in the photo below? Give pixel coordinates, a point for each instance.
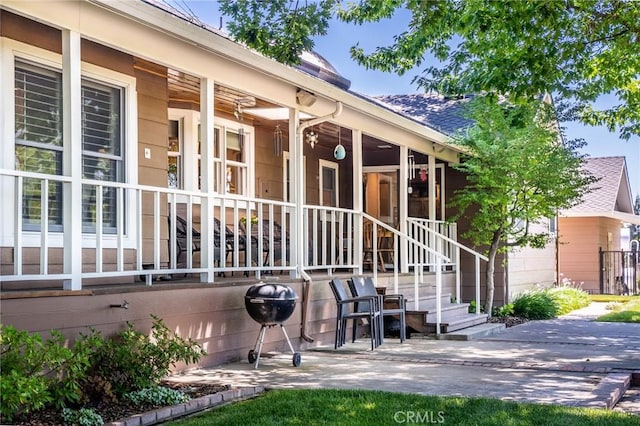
(259, 342)
(287, 337)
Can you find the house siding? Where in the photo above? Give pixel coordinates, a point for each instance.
(580, 240)
(212, 315)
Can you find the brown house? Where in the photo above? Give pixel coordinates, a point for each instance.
(150, 160)
(589, 233)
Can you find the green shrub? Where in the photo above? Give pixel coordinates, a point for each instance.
(36, 373)
(504, 311)
(569, 299)
(133, 361)
(157, 395)
(535, 305)
(82, 417)
(472, 307)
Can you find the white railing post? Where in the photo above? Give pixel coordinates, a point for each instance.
(99, 230)
(477, 285)
(458, 273)
(17, 233)
(44, 226)
(438, 287)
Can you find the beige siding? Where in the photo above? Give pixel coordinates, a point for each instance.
(580, 240)
(213, 315)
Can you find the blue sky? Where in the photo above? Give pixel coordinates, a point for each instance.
(335, 48)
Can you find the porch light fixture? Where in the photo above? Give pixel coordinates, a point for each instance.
(312, 138)
(305, 98)
(277, 141)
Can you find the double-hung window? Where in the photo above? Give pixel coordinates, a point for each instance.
(39, 144)
(38, 140)
(102, 151)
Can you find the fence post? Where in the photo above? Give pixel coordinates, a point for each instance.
(601, 266)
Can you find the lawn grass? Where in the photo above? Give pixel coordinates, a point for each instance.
(626, 312)
(359, 407)
(612, 298)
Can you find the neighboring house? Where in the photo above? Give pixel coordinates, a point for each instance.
(136, 144)
(594, 225)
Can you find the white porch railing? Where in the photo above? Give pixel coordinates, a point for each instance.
(249, 236)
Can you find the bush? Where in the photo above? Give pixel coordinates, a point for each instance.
(504, 311)
(134, 361)
(37, 373)
(569, 299)
(157, 395)
(535, 305)
(82, 417)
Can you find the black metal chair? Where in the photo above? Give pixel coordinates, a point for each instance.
(346, 310)
(393, 305)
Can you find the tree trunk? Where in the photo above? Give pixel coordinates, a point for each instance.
(491, 267)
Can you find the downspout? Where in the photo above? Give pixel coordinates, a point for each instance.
(300, 219)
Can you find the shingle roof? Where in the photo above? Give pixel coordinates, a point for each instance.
(431, 109)
(610, 193)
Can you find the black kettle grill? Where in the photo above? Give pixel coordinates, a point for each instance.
(270, 304)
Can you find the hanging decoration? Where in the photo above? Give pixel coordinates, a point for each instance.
(277, 141)
(411, 163)
(312, 138)
(339, 152)
(423, 174)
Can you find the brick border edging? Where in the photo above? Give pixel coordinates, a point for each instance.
(191, 407)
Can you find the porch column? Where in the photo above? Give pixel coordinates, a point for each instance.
(432, 186)
(403, 206)
(297, 182)
(358, 201)
(207, 202)
(72, 158)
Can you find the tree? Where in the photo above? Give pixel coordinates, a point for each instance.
(519, 172)
(576, 50)
(635, 229)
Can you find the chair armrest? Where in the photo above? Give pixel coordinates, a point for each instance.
(358, 299)
(393, 296)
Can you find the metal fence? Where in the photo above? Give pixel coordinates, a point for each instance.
(619, 271)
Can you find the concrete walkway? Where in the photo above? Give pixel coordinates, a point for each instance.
(570, 361)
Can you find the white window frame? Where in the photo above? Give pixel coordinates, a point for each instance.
(12, 50)
(190, 135)
(322, 164)
(178, 155)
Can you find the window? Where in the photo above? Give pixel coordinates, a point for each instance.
(174, 153)
(102, 156)
(236, 176)
(328, 183)
(38, 139)
(38, 143)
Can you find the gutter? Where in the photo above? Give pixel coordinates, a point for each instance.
(306, 286)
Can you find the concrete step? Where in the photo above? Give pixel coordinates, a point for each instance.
(427, 303)
(449, 312)
(459, 323)
(474, 332)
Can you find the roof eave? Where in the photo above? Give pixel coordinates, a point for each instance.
(149, 15)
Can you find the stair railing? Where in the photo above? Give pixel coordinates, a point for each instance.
(418, 248)
(440, 239)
